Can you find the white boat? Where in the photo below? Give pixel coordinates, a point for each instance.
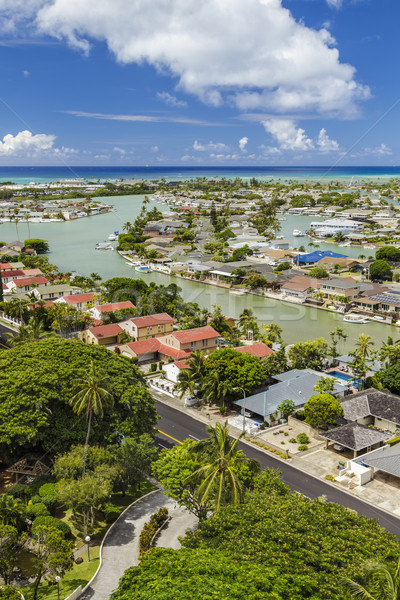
(282, 219)
(112, 237)
(298, 233)
(104, 246)
(143, 269)
(356, 319)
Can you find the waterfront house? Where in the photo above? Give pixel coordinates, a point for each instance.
(102, 335)
(78, 301)
(340, 264)
(343, 363)
(258, 349)
(100, 311)
(312, 258)
(345, 288)
(149, 326)
(279, 244)
(331, 227)
(26, 284)
(300, 286)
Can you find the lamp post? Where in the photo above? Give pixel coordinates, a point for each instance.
(244, 407)
(58, 578)
(87, 540)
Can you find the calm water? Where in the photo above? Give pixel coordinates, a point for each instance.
(72, 248)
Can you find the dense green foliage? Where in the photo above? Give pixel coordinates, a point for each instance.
(309, 355)
(49, 521)
(319, 273)
(277, 546)
(36, 386)
(380, 269)
(38, 245)
(391, 378)
(322, 410)
(244, 370)
(8, 592)
(388, 253)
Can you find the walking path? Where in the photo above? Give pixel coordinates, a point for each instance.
(121, 547)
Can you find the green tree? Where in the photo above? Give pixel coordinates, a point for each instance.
(11, 510)
(311, 354)
(319, 273)
(324, 384)
(53, 556)
(287, 408)
(380, 269)
(322, 410)
(40, 246)
(382, 583)
(10, 544)
(92, 395)
(219, 475)
(363, 347)
(388, 253)
(215, 389)
(33, 331)
(241, 370)
(69, 465)
(273, 332)
(248, 322)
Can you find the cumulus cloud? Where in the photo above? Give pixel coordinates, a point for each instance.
(243, 143)
(288, 135)
(325, 144)
(251, 52)
(211, 146)
(171, 100)
(381, 150)
(154, 148)
(334, 3)
(25, 143)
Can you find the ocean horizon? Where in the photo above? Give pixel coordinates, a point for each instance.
(48, 174)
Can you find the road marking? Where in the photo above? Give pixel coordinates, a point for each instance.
(194, 438)
(167, 435)
(161, 445)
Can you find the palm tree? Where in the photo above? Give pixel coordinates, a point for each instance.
(216, 388)
(382, 580)
(219, 473)
(324, 384)
(127, 226)
(92, 396)
(186, 383)
(273, 332)
(247, 322)
(33, 331)
(363, 346)
(390, 351)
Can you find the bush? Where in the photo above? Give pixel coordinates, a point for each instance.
(50, 503)
(150, 528)
(36, 499)
(111, 513)
(302, 447)
(7, 592)
(222, 410)
(330, 477)
(19, 490)
(303, 438)
(47, 521)
(153, 367)
(286, 433)
(48, 489)
(300, 415)
(38, 510)
(283, 443)
(293, 440)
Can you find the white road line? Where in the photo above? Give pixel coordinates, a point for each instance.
(163, 446)
(194, 438)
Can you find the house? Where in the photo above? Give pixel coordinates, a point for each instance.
(99, 311)
(345, 288)
(312, 258)
(331, 227)
(7, 276)
(279, 244)
(102, 335)
(26, 284)
(296, 385)
(52, 292)
(15, 246)
(355, 437)
(176, 345)
(150, 326)
(5, 267)
(300, 286)
(78, 301)
(340, 264)
(343, 363)
(374, 408)
(172, 370)
(259, 349)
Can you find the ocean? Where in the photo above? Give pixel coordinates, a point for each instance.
(25, 175)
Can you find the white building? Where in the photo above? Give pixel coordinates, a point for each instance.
(333, 226)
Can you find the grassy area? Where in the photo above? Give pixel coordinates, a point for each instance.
(79, 575)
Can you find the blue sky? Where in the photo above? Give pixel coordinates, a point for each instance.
(190, 82)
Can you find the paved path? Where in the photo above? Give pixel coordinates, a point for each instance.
(181, 520)
(121, 548)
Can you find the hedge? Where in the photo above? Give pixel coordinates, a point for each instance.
(150, 528)
(47, 489)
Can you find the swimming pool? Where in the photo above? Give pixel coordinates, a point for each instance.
(344, 377)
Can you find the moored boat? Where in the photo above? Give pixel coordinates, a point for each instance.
(104, 246)
(356, 319)
(298, 233)
(143, 269)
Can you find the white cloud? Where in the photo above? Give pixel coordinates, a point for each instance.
(288, 136)
(154, 148)
(334, 3)
(243, 143)
(219, 146)
(171, 100)
(25, 73)
(381, 150)
(140, 118)
(325, 144)
(250, 51)
(26, 144)
(120, 151)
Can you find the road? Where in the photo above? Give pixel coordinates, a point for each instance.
(178, 426)
(3, 335)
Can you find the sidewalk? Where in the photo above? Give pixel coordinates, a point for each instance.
(121, 547)
(383, 491)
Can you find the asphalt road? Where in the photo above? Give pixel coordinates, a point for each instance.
(3, 335)
(178, 426)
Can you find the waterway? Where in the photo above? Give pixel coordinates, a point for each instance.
(73, 243)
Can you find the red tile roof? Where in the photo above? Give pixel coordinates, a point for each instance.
(194, 335)
(31, 272)
(102, 331)
(259, 349)
(10, 273)
(151, 320)
(181, 364)
(115, 306)
(78, 298)
(144, 346)
(30, 281)
(4, 266)
(174, 352)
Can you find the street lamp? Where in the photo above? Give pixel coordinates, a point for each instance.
(87, 540)
(244, 406)
(58, 579)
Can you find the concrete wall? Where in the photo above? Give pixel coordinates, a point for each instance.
(306, 428)
(364, 474)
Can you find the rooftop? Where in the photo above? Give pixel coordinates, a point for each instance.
(372, 402)
(193, 335)
(355, 436)
(152, 320)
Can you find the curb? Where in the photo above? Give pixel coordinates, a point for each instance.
(89, 583)
(335, 487)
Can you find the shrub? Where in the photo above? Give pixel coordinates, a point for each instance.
(330, 477)
(36, 499)
(47, 489)
(38, 510)
(283, 443)
(286, 433)
(300, 415)
(50, 503)
(222, 410)
(47, 521)
(293, 440)
(302, 438)
(7, 592)
(111, 513)
(150, 528)
(302, 447)
(153, 367)
(19, 490)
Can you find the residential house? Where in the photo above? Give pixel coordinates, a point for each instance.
(102, 335)
(333, 226)
(100, 311)
(78, 301)
(340, 287)
(355, 437)
(300, 286)
(258, 349)
(340, 264)
(343, 363)
(375, 408)
(149, 326)
(52, 292)
(26, 284)
(312, 258)
(280, 244)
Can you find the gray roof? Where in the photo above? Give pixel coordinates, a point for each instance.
(385, 459)
(374, 403)
(341, 283)
(298, 388)
(374, 365)
(355, 436)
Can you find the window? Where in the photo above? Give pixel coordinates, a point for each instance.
(192, 345)
(205, 342)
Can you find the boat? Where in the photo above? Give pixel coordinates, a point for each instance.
(379, 318)
(143, 269)
(282, 219)
(104, 246)
(112, 237)
(356, 319)
(298, 233)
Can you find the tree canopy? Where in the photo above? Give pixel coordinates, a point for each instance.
(380, 269)
(36, 387)
(241, 370)
(322, 410)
